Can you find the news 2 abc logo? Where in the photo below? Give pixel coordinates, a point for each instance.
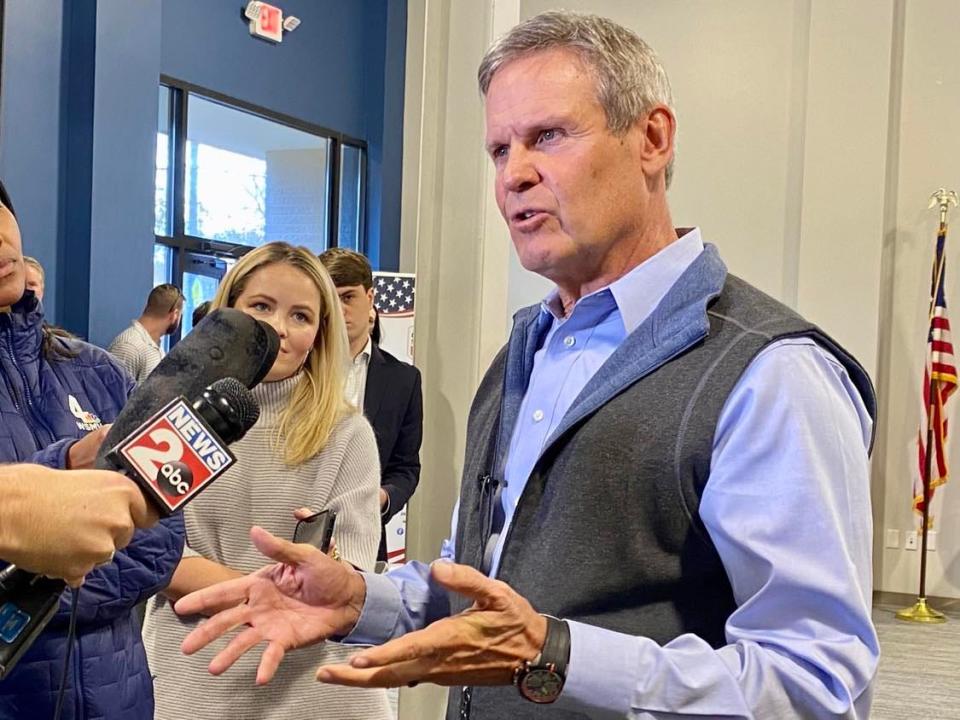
(175, 454)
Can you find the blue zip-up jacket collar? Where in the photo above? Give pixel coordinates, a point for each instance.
(23, 327)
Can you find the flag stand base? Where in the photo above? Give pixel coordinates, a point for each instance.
(921, 613)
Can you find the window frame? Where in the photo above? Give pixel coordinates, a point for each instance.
(179, 241)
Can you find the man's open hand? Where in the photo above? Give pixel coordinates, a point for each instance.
(480, 646)
(303, 599)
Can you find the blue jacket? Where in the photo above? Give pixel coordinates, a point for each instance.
(45, 406)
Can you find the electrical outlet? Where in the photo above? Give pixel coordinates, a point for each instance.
(910, 540)
(893, 538)
(931, 540)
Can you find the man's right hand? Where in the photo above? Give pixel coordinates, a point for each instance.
(62, 523)
(303, 599)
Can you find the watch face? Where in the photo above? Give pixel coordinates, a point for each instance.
(541, 685)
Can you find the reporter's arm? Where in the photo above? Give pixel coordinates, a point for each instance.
(55, 455)
(137, 572)
(63, 523)
(147, 564)
(195, 573)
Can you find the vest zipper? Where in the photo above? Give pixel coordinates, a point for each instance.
(486, 513)
(466, 692)
(466, 697)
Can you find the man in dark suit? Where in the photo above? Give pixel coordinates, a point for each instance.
(387, 389)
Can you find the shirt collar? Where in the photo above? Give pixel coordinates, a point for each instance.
(144, 334)
(367, 350)
(638, 293)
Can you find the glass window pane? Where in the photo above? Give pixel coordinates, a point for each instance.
(197, 289)
(351, 198)
(162, 264)
(161, 224)
(249, 180)
(201, 276)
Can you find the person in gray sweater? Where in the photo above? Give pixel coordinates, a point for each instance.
(308, 449)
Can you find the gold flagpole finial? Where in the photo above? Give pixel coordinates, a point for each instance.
(944, 199)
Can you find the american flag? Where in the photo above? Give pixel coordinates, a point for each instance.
(939, 383)
(394, 295)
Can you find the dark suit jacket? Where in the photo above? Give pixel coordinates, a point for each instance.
(393, 403)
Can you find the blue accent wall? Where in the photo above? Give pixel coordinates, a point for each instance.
(78, 123)
(71, 274)
(385, 228)
(315, 74)
(383, 103)
(30, 124)
(124, 153)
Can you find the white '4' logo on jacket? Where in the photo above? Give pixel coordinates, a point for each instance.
(85, 420)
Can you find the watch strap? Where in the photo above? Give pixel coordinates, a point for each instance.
(556, 646)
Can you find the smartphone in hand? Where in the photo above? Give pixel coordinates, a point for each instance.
(316, 530)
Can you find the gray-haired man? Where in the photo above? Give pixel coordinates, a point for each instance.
(659, 457)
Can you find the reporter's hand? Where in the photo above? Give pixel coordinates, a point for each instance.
(305, 598)
(83, 453)
(62, 523)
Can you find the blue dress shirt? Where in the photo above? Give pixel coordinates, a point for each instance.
(787, 507)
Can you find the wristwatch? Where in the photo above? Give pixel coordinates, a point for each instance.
(541, 680)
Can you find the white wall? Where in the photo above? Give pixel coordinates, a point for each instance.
(812, 133)
(928, 156)
(445, 207)
(768, 95)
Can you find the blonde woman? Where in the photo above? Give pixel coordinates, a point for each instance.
(309, 449)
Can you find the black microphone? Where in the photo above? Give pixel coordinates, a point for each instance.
(182, 448)
(193, 451)
(226, 343)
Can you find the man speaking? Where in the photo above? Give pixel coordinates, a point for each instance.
(61, 523)
(669, 465)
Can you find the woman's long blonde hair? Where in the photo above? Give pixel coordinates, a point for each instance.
(317, 403)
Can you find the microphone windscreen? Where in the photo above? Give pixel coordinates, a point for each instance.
(270, 352)
(226, 343)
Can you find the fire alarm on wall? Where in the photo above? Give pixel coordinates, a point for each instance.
(267, 21)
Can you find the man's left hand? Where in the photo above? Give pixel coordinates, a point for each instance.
(483, 645)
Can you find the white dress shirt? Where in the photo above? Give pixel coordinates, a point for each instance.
(356, 384)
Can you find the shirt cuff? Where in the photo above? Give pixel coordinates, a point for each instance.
(601, 674)
(380, 613)
(54, 456)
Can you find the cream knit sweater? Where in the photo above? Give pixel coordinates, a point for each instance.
(261, 490)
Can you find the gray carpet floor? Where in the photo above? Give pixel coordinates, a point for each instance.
(919, 668)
